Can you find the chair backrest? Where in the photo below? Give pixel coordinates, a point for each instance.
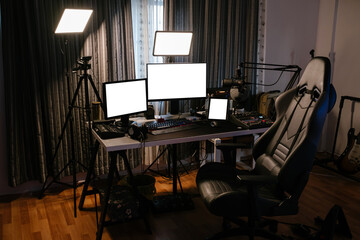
(288, 148)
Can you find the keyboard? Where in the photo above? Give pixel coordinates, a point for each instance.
(250, 120)
(169, 126)
(107, 131)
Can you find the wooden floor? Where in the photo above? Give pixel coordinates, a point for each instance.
(27, 217)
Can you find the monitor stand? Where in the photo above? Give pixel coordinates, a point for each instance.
(124, 123)
(174, 107)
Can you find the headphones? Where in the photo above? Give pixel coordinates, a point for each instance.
(138, 133)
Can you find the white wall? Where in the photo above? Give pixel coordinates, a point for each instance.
(290, 34)
(339, 26)
(294, 27)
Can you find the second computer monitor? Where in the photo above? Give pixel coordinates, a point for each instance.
(169, 81)
(123, 98)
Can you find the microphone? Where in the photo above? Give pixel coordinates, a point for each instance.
(232, 82)
(237, 80)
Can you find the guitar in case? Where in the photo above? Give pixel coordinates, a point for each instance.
(349, 160)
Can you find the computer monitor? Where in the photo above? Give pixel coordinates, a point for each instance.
(170, 81)
(218, 109)
(124, 98)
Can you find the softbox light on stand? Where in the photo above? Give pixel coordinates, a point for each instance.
(73, 21)
(172, 43)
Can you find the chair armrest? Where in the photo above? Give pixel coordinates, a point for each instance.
(257, 179)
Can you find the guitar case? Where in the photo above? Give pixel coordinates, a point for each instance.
(266, 103)
(347, 162)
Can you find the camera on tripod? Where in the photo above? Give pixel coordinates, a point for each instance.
(83, 64)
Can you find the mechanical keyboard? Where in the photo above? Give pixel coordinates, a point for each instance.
(250, 120)
(169, 126)
(107, 131)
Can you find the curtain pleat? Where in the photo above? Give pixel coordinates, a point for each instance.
(225, 34)
(39, 83)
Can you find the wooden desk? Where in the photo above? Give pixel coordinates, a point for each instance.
(118, 146)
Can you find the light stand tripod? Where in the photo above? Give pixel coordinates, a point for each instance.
(85, 77)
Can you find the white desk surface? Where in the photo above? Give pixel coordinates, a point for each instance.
(200, 133)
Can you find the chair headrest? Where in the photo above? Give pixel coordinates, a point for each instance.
(315, 70)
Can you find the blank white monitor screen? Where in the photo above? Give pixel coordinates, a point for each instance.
(167, 81)
(218, 109)
(125, 97)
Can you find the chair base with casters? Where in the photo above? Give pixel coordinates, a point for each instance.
(283, 157)
(219, 187)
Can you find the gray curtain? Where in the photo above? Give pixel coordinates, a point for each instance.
(225, 34)
(36, 65)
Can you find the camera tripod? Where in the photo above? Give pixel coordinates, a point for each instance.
(85, 77)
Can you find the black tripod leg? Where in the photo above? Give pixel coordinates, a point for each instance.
(107, 195)
(169, 160)
(95, 90)
(87, 106)
(175, 173)
(89, 174)
(68, 116)
(141, 199)
(148, 168)
(44, 187)
(73, 160)
(74, 186)
(182, 165)
(182, 191)
(47, 185)
(127, 165)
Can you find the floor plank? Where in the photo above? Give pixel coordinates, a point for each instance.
(27, 217)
